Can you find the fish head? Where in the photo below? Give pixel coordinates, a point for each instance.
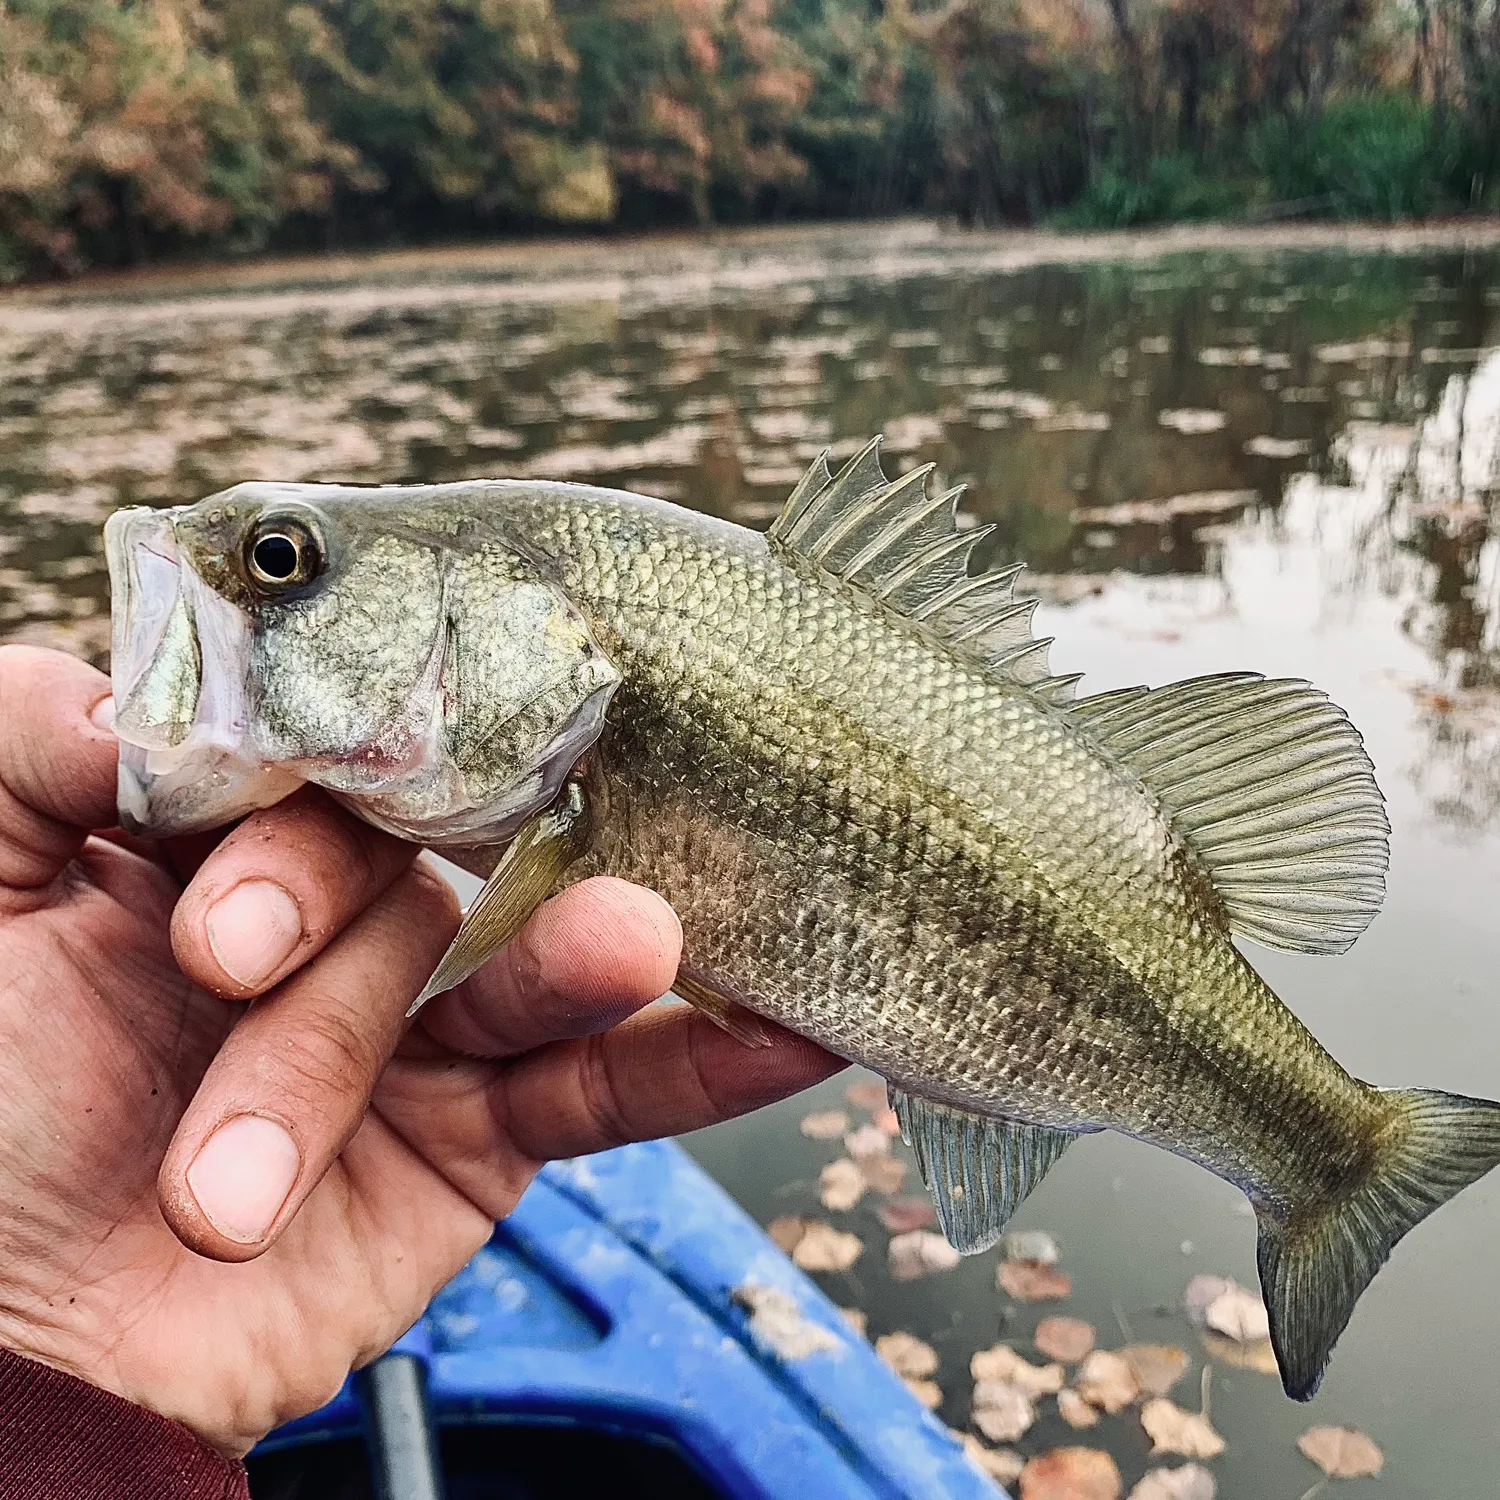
(387, 645)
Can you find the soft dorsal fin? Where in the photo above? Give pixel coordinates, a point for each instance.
(902, 544)
(977, 1168)
(1269, 784)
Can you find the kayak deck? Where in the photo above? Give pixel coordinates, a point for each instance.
(609, 1321)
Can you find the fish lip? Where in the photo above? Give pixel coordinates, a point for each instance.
(201, 775)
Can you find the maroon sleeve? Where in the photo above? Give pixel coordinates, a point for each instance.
(62, 1439)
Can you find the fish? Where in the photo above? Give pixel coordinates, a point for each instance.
(838, 750)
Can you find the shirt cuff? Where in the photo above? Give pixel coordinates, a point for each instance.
(63, 1439)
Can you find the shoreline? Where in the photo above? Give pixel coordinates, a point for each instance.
(597, 265)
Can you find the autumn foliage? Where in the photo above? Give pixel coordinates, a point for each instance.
(131, 129)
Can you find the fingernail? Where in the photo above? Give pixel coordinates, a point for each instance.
(252, 930)
(242, 1175)
(102, 714)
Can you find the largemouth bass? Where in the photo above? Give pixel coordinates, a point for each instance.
(840, 755)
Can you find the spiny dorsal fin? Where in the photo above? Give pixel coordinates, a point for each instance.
(1268, 783)
(977, 1168)
(895, 540)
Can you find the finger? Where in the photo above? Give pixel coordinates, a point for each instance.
(278, 889)
(667, 1070)
(57, 764)
(584, 961)
(292, 1081)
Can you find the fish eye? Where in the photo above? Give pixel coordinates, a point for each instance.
(281, 553)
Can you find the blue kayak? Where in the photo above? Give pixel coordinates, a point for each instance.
(627, 1331)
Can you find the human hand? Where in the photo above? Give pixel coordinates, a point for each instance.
(217, 1210)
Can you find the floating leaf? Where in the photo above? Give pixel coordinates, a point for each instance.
(919, 1254)
(1156, 1367)
(824, 1124)
(887, 1122)
(1067, 1339)
(1030, 1244)
(787, 1230)
(1107, 1381)
(907, 1355)
(1239, 1315)
(1004, 1464)
(857, 1318)
(902, 1215)
(867, 1143)
(1002, 1412)
(1191, 421)
(1202, 1292)
(1004, 1364)
(928, 1392)
(1071, 1474)
(824, 1248)
(1341, 1452)
(777, 1320)
(867, 1094)
(1075, 1411)
(884, 1174)
(1032, 1281)
(840, 1185)
(1190, 1482)
(1258, 1355)
(1173, 1430)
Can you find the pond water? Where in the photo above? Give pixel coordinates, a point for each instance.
(1268, 456)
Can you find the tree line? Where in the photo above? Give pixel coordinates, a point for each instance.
(131, 130)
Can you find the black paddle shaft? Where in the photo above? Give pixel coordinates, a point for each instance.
(399, 1429)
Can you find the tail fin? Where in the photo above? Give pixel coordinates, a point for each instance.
(1313, 1268)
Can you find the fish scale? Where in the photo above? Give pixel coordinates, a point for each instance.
(842, 758)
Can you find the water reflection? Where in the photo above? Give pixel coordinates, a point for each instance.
(1147, 419)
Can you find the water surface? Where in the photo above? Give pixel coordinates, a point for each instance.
(1277, 458)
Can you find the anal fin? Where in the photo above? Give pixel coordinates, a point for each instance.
(728, 1015)
(978, 1168)
(534, 861)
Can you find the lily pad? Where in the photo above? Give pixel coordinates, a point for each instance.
(1067, 1339)
(1341, 1452)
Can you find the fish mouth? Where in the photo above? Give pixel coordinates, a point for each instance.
(180, 657)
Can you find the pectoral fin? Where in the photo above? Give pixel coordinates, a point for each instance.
(977, 1168)
(535, 860)
(728, 1015)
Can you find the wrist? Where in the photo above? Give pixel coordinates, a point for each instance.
(66, 1438)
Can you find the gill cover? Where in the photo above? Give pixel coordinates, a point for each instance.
(425, 674)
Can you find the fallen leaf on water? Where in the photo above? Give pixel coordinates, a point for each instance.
(776, 1319)
(1239, 1315)
(857, 1318)
(886, 1121)
(1157, 1367)
(907, 1355)
(1002, 1412)
(1190, 1482)
(1032, 1281)
(1173, 1430)
(1004, 1464)
(1075, 1411)
(1067, 1339)
(840, 1185)
(1258, 1355)
(824, 1124)
(1202, 1292)
(918, 1254)
(787, 1230)
(902, 1215)
(1341, 1452)
(824, 1248)
(1106, 1380)
(1030, 1244)
(1004, 1364)
(867, 1143)
(1071, 1474)
(867, 1094)
(885, 1174)
(928, 1392)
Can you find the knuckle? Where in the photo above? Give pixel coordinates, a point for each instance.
(600, 1095)
(332, 1049)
